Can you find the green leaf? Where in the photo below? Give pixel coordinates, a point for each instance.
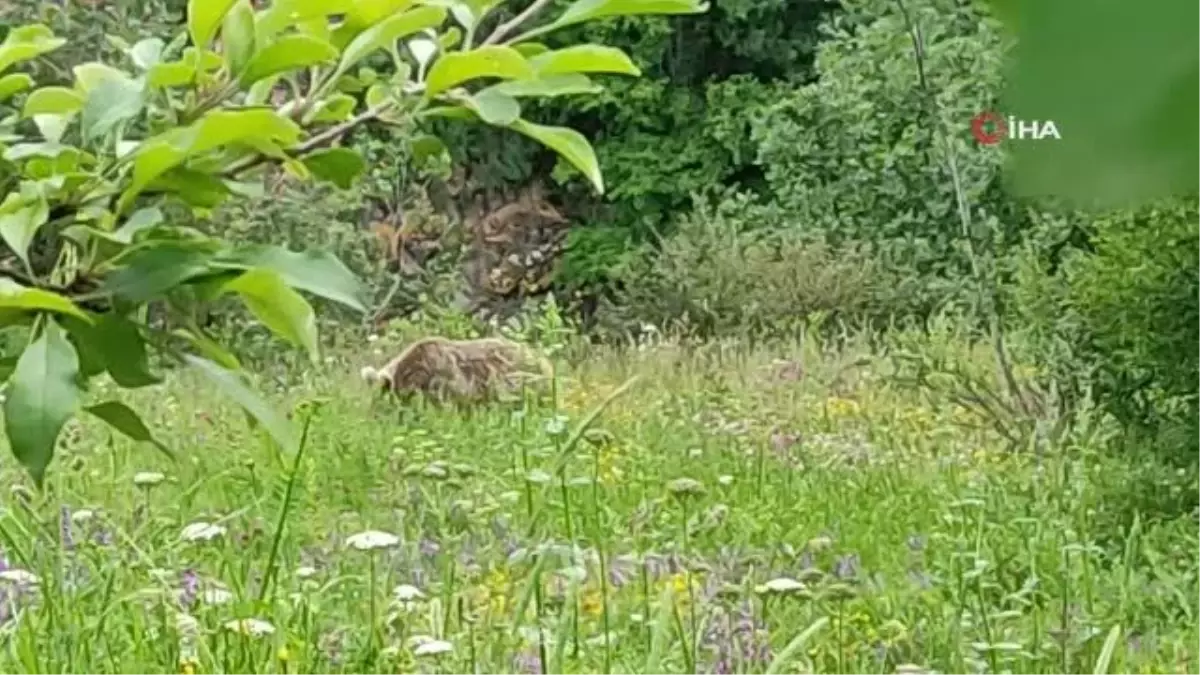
(209, 348)
(530, 49)
(495, 107)
(336, 108)
(279, 15)
(125, 420)
(490, 61)
(318, 272)
(233, 386)
(383, 34)
(426, 146)
(197, 188)
(366, 13)
(88, 76)
(237, 36)
(142, 219)
(589, 10)
(19, 224)
(584, 59)
(203, 17)
(340, 166)
(16, 296)
(148, 273)
(114, 344)
(147, 53)
(43, 393)
(52, 127)
(13, 84)
(170, 74)
(570, 144)
(52, 101)
(155, 156)
(110, 103)
(554, 85)
(288, 53)
(1128, 127)
(278, 307)
(27, 42)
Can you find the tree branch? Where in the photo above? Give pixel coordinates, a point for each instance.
(328, 136)
(507, 27)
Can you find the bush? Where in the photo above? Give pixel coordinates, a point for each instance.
(1124, 320)
(716, 276)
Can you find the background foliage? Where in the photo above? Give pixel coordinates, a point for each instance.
(764, 141)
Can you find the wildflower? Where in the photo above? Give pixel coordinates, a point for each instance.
(250, 627)
(423, 645)
(216, 596)
(406, 592)
(202, 531)
(842, 407)
(305, 571)
(780, 585)
(82, 516)
(187, 595)
(371, 540)
(685, 486)
(592, 603)
(187, 666)
(19, 576)
(846, 567)
(819, 543)
(725, 480)
(433, 648)
(147, 479)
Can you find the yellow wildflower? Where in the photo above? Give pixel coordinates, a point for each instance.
(592, 603)
(187, 666)
(842, 407)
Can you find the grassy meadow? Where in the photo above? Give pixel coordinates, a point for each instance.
(731, 511)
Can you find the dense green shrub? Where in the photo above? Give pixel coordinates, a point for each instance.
(1124, 319)
(717, 276)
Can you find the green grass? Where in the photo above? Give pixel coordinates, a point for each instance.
(917, 543)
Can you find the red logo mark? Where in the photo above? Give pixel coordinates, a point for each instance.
(985, 120)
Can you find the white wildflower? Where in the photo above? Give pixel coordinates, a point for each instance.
(433, 648)
(19, 576)
(372, 539)
(82, 516)
(202, 531)
(216, 596)
(147, 479)
(780, 585)
(407, 593)
(250, 627)
(725, 480)
(306, 571)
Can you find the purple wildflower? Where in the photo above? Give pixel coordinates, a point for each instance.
(189, 589)
(846, 567)
(428, 548)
